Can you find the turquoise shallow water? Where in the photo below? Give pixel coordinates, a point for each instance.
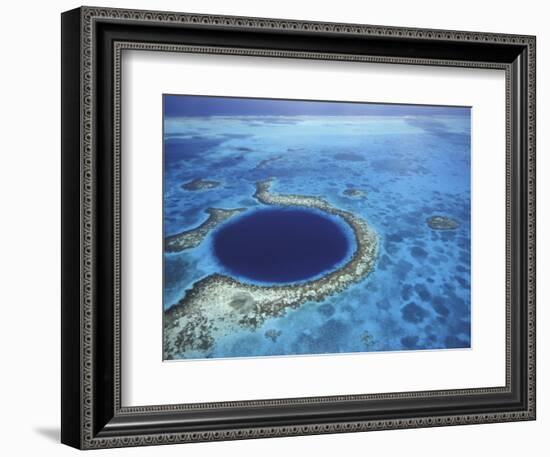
(410, 167)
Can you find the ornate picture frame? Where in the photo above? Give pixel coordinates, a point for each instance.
(93, 40)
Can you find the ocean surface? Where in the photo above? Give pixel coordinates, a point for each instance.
(407, 167)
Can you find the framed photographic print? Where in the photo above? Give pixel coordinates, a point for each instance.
(273, 227)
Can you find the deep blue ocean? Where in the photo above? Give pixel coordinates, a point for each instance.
(409, 167)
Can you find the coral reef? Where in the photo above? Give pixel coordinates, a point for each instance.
(200, 184)
(367, 339)
(218, 305)
(192, 238)
(353, 192)
(264, 163)
(442, 223)
(273, 334)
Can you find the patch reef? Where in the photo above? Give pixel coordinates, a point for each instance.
(200, 184)
(442, 223)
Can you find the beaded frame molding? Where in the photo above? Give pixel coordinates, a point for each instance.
(93, 40)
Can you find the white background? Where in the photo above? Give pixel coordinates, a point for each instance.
(29, 241)
(149, 74)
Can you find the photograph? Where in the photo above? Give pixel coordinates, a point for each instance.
(310, 227)
(274, 227)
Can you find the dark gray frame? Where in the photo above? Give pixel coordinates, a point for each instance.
(93, 40)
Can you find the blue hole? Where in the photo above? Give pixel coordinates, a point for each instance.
(280, 245)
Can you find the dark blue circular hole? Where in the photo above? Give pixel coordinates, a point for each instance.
(280, 245)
